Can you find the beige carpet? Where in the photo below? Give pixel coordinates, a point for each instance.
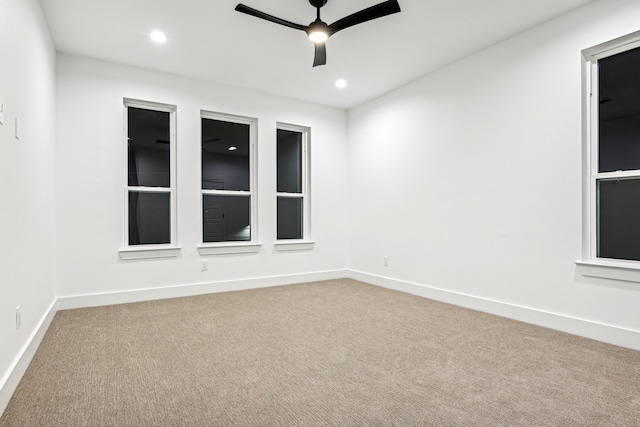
(339, 353)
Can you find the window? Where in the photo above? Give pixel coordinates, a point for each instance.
(228, 190)
(150, 189)
(292, 184)
(612, 156)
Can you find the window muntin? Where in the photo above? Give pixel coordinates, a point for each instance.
(613, 151)
(292, 183)
(150, 186)
(227, 163)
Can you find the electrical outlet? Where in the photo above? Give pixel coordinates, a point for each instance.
(204, 265)
(18, 317)
(386, 261)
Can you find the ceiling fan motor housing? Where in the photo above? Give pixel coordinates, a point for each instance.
(318, 3)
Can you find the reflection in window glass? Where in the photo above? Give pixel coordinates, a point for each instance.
(289, 161)
(149, 218)
(617, 219)
(226, 218)
(619, 112)
(225, 155)
(290, 218)
(149, 149)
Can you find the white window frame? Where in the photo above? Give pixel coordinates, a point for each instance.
(306, 243)
(252, 246)
(171, 249)
(590, 264)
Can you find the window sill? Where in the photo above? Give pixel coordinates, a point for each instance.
(626, 271)
(149, 252)
(294, 245)
(229, 248)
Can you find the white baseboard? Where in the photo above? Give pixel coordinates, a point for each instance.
(124, 297)
(10, 382)
(585, 328)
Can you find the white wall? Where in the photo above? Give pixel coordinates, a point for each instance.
(469, 179)
(91, 170)
(27, 203)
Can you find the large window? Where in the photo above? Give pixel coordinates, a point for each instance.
(613, 151)
(150, 189)
(228, 194)
(292, 183)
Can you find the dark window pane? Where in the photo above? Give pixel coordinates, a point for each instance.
(289, 161)
(289, 218)
(226, 218)
(149, 150)
(225, 155)
(149, 218)
(619, 112)
(618, 219)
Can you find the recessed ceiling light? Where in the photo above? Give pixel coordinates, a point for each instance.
(158, 37)
(233, 148)
(341, 83)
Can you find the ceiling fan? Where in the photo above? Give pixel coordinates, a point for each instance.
(318, 31)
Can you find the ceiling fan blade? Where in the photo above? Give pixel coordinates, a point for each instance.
(253, 12)
(320, 57)
(374, 12)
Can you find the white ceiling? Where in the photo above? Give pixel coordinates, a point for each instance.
(209, 40)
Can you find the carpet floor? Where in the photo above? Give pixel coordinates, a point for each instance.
(332, 353)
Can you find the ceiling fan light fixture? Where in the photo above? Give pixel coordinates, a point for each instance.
(318, 31)
(318, 37)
